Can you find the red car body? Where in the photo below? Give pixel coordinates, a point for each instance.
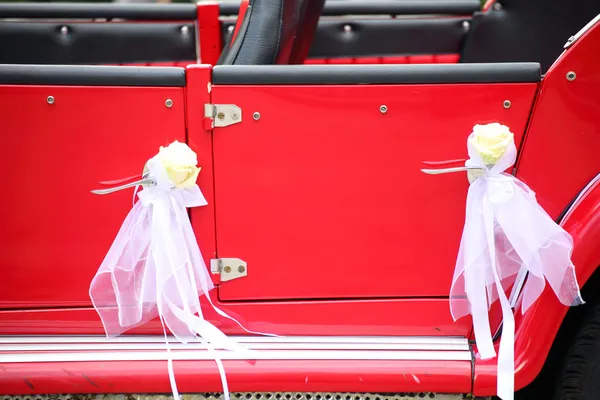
(318, 189)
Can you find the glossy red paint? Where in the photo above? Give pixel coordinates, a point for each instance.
(420, 59)
(209, 32)
(564, 127)
(537, 329)
(258, 376)
(200, 140)
(55, 233)
(344, 318)
(244, 4)
(488, 4)
(324, 192)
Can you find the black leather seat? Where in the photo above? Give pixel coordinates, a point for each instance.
(274, 32)
(526, 30)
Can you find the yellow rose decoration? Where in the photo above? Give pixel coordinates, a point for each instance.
(180, 163)
(491, 141)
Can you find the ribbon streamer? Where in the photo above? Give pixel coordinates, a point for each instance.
(154, 268)
(506, 235)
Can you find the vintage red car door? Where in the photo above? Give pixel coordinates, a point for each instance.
(319, 190)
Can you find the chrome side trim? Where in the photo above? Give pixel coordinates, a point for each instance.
(580, 197)
(253, 346)
(423, 340)
(26, 349)
(198, 355)
(583, 30)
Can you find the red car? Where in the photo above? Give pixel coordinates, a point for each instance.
(319, 225)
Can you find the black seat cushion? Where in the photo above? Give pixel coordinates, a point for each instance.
(269, 32)
(526, 30)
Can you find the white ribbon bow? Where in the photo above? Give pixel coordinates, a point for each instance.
(154, 268)
(506, 235)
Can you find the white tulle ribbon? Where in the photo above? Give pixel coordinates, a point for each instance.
(507, 235)
(154, 268)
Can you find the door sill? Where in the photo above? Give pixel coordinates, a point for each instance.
(137, 364)
(152, 348)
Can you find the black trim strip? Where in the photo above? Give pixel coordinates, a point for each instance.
(99, 10)
(381, 7)
(375, 74)
(188, 11)
(96, 43)
(91, 75)
(404, 7)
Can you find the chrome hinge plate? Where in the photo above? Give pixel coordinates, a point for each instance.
(223, 114)
(229, 268)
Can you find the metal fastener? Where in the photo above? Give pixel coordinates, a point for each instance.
(227, 269)
(235, 116)
(169, 103)
(497, 6)
(241, 269)
(221, 115)
(50, 99)
(571, 76)
(185, 30)
(347, 28)
(383, 109)
(256, 116)
(230, 29)
(507, 103)
(466, 25)
(64, 30)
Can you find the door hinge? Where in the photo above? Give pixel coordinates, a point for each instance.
(223, 114)
(229, 268)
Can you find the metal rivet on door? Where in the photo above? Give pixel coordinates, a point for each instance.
(383, 109)
(571, 75)
(507, 103)
(169, 103)
(256, 116)
(50, 99)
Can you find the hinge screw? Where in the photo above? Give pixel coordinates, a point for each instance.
(227, 269)
(221, 115)
(507, 103)
(256, 116)
(241, 269)
(169, 103)
(235, 116)
(50, 99)
(383, 109)
(571, 76)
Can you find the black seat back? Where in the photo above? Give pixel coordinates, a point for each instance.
(273, 30)
(526, 30)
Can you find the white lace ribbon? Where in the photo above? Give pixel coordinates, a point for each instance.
(506, 235)
(154, 268)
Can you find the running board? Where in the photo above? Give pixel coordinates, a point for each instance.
(137, 364)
